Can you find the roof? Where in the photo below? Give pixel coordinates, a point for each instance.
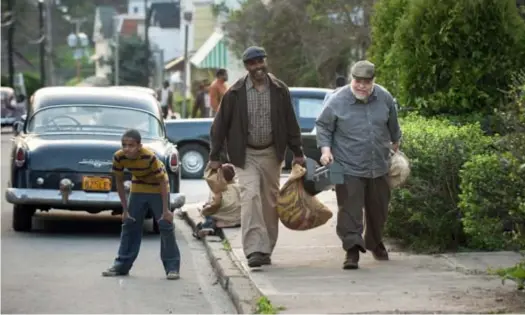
(129, 27)
(309, 91)
(207, 48)
(165, 15)
(67, 95)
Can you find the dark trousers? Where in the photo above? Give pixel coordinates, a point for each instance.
(372, 194)
(131, 235)
(164, 111)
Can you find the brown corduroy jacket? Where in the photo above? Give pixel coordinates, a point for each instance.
(230, 126)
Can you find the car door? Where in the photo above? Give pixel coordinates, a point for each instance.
(308, 109)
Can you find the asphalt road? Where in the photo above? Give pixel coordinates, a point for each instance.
(56, 267)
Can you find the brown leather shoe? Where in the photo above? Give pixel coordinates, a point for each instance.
(352, 259)
(380, 252)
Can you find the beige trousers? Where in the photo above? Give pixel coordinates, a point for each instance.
(259, 181)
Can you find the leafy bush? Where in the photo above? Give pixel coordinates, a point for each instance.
(424, 214)
(492, 201)
(448, 56)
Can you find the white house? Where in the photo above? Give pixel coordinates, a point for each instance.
(103, 33)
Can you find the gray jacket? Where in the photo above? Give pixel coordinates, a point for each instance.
(360, 135)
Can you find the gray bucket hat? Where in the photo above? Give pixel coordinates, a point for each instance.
(363, 69)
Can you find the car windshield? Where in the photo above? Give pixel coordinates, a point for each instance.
(94, 119)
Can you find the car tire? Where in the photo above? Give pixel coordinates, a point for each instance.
(193, 160)
(22, 218)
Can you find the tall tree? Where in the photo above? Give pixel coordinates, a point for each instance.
(309, 41)
(131, 56)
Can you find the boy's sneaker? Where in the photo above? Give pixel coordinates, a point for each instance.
(113, 272)
(173, 275)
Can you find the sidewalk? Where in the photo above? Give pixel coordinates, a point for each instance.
(306, 277)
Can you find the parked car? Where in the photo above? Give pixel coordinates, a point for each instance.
(310, 145)
(193, 139)
(150, 91)
(61, 157)
(13, 106)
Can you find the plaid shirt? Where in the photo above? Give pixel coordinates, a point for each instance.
(259, 119)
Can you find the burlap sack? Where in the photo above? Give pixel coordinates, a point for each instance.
(296, 208)
(215, 180)
(399, 169)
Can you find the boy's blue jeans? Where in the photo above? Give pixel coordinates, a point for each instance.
(131, 235)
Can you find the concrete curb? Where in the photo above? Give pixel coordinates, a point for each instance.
(241, 290)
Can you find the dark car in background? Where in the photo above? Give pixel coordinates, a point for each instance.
(193, 140)
(61, 156)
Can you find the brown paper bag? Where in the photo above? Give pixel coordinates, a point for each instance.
(297, 209)
(215, 180)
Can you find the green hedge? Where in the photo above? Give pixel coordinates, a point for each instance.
(424, 213)
(492, 201)
(448, 56)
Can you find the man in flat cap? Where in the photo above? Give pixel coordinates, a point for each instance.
(357, 128)
(257, 121)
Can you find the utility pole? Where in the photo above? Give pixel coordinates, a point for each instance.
(42, 43)
(188, 15)
(116, 58)
(147, 15)
(49, 41)
(10, 37)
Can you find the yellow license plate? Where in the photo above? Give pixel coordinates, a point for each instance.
(94, 183)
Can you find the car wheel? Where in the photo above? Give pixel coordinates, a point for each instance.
(22, 218)
(193, 160)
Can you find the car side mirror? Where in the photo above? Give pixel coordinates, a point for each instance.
(18, 127)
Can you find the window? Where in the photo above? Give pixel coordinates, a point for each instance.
(135, 9)
(94, 119)
(309, 107)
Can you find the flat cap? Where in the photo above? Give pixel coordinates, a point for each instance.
(253, 52)
(363, 69)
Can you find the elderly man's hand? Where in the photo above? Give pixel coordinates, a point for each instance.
(395, 146)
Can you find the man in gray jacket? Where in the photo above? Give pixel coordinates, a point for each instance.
(357, 128)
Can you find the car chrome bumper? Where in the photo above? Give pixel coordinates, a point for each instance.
(49, 197)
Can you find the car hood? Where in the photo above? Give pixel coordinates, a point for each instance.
(81, 153)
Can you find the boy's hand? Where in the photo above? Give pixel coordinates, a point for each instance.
(167, 216)
(125, 215)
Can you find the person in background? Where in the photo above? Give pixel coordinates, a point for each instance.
(199, 105)
(224, 209)
(165, 97)
(217, 90)
(340, 81)
(256, 122)
(358, 127)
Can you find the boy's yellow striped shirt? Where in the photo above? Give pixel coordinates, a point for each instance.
(147, 171)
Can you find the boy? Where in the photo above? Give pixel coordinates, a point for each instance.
(224, 210)
(149, 190)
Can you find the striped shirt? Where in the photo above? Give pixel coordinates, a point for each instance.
(147, 171)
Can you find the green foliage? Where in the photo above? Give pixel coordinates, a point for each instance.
(386, 18)
(32, 83)
(132, 61)
(307, 42)
(448, 56)
(424, 213)
(492, 201)
(515, 273)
